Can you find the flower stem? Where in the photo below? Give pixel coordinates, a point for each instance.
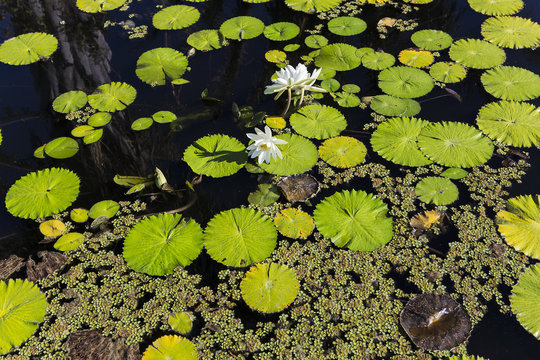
(288, 102)
(301, 98)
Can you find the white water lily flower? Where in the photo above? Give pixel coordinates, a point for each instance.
(264, 145)
(296, 79)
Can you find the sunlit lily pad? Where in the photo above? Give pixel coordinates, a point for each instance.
(455, 173)
(477, 54)
(171, 347)
(205, 40)
(69, 101)
(509, 122)
(316, 41)
(27, 48)
(455, 144)
(23, 308)
(436, 190)
(346, 99)
(99, 119)
(270, 287)
(339, 57)
(318, 121)
(240, 237)
(519, 224)
(312, 6)
(216, 156)
(93, 137)
(342, 151)
(158, 65)
(388, 105)
(95, 6)
(346, 25)
(447, 72)
(42, 193)
(351, 88)
(112, 97)
(416, 58)
(281, 31)
(511, 83)
(78, 215)
(242, 28)
(181, 322)
(107, 208)
(69, 241)
(275, 56)
(175, 17)
(433, 40)
(266, 194)
(158, 244)
(511, 32)
(142, 124)
(525, 299)
(354, 219)
(299, 155)
(83, 130)
(395, 140)
(405, 82)
(496, 7)
(52, 228)
(164, 117)
(377, 60)
(294, 223)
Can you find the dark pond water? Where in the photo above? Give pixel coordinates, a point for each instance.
(236, 73)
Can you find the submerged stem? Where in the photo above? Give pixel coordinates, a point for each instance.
(288, 102)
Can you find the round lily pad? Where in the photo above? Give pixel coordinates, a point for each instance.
(23, 308)
(346, 25)
(270, 287)
(281, 31)
(216, 156)
(339, 57)
(316, 41)
(112, 97)
(70, 101)
(447, 72)
(205, 40)
(78, 215)
(61, 148)
(455, 173)
(436, 190)
(354, 219)
(156, 66)
(69, 241)
(351, 88)
(158, 244)
(388, 105)
(142, 124)
(83, 130)
(405, 82)
(496, 7)
(520, 222)
(242, 28)
(266, 194)
(433, 40)
(42, 193)
(346, 99)
(510, 122)
(175, 17)
(312, 6)
(511, 83)
(99, 119)
(377, 60)
(52, 228)
(299, 155)
(511, 32)
(330, 85)
(27, 48)
(525, 299)
(342, 151)
(107, 208)
(164, 117)
(95, 6)
(416, 58)
(294, 223)
(318, 121)
(455, 144)
(240, 237)
(395, 140)
(93, 136)
(171, 347)
(477, 54)
(181, 322)
(275, 56)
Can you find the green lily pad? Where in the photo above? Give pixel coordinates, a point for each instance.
(240, 237)
(27, 48)
(112, 97)
(42, 193)
(347, 25)
(82, 131)
(291, 47)
(447, 72)
(175, 17)
(330, 85)
(95, 6)
(242, 28)
(70, 101)
(511, 32)
(299, 155)
(316, 41)
(164, 117)
(312, 6)
(511, 83)
(266, 194)
(216, 156)
(405, 82)
(436, 190)
(377, 60)
(342, 151)
(206, 40)
(93, 137)
(158, 244)
(339, 57)
(388, 105)
(455, 173)
(69, 241)
(79, 215)
(520, 222)
(181, 322)
(99, 119)
(345, 99)
(455, 144)
(269, 288)
(281, 31)
(61, 148)
(496, 7)
(142, 124)
(318, 121)
(158, 65)
(171, 347)
(294, 223)
(107, 208)
(509, 122)
(351, 88)
(416, 58)
(477, 54)
(395, 140)
(23, 308)
(354, 219)
(433, 40)
(525, 299)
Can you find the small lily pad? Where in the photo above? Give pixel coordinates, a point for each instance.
(52, 228)
(82, 131)
(158, 65)
(266, 194)
(455, 173)
(171, 347)
(181, 322)
(437, 190)
(377, 60)
(281, 31)
(346, 25)
(433, 40)
(175, 17)
(405, 82)
(294, 223)
(339, 57)
(142, 124)
(388, 105)
(95, 6)
(99, 119)
(69, 241)
(318, 121)
(342, 151)
(111, 97)
(61, 148)
(242, 28)
(206, 40)
(78, 215)
(299, 155)
(316, 41)
(93, 136)
(27, 48)
(164, 117)
(447, 72)
(416, 58)
(70, 101)
(107, 208)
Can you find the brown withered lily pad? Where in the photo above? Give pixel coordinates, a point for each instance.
(91, 345)
(50, 262)
(10, 266)
(300, 187)
(435, 322)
